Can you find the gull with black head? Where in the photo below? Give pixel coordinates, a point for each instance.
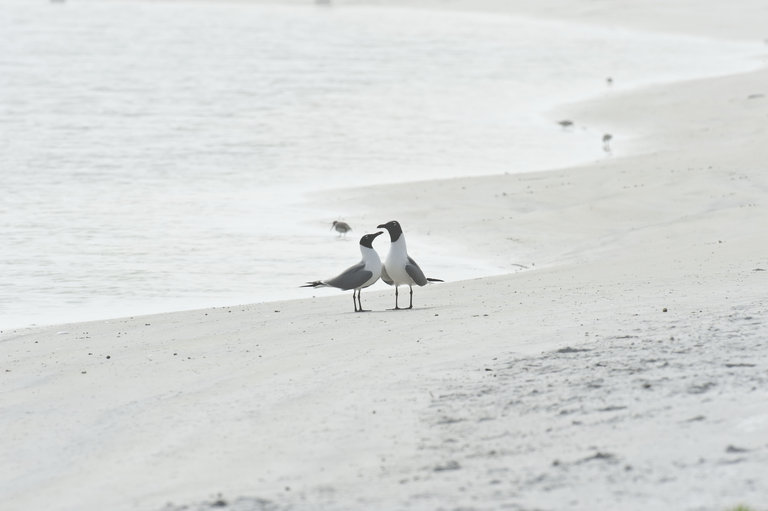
(400, 268)
(363, 274)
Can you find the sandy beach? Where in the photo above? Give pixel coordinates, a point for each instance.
(621, 363)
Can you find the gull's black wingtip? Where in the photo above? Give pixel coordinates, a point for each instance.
(434, 280)
(316, 283)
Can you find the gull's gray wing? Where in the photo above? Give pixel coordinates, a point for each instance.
(413, 271)
(351, 278)
(385, 276)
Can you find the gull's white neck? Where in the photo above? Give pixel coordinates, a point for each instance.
(370, 256)
(398, 255)
(398, 246)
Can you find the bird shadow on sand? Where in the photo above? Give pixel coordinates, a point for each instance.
(387, 311)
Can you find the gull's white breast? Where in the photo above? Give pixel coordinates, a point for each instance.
(372, 263)
(396, 261)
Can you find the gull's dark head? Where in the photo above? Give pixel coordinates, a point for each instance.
(393, 227)
(367, 240)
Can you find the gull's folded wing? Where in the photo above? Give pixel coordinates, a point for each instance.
(413, 271)
(351, 278)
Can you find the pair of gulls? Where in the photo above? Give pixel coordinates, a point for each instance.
(398, 268)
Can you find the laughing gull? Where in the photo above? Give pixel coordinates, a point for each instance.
(356, 277)
(399, 268)
(341, 227)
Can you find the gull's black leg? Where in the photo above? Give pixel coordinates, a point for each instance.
(396, 307)
(411, 304)
(359, 300)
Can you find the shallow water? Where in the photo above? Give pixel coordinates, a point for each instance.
(155, 156)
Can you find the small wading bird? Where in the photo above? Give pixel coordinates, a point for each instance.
(607, 142)
(399, 268)
(341, 227)
(363, 274)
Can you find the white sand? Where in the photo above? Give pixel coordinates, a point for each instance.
(563, 386)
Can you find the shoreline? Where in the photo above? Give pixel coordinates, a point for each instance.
(620, 144)
(628, 370)
(592, 112)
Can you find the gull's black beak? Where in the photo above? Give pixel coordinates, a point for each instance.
(380, 232)
(382, 226)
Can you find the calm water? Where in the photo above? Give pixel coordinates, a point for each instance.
(155, 156)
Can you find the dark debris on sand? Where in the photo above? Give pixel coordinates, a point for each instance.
(220, 503)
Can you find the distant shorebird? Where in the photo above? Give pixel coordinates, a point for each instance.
(399, 268)
(341, 227)
(565, 123)
(609, 81)
(607, 142)
(363, 274)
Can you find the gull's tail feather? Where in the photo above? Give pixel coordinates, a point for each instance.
(434, 280)
(316, 283)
